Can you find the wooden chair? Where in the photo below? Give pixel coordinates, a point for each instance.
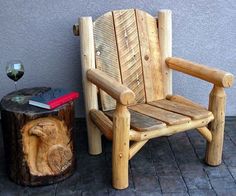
(126, 54)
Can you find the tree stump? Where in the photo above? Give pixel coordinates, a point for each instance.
(38, 143)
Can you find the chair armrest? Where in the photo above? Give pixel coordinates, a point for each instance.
(213, 75)
(119, 92)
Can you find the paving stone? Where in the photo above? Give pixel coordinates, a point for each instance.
(202, 193)
(145, 182)
(228, 146)
(162, 155)
(144, 168)
(191, 167)
(49, 190)
(93, 193)
(196, 139)
(226, 192)
(220, 184)
(170, 184)
(13, 192)
(186, 159)
(229, 158)
(200, 152)
(125, 192)
(197, 181)
(143, 162)
(66, 192)
(149, 193)
(9, 187)
(163, 169)
(94, 187)
(158, 142)
(144, 153)
(176, 194)
(69, 184)
(233, 171)
(220, 171)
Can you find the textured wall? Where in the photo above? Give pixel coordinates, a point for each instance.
(40, 34)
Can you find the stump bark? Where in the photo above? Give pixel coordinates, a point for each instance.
(38, 143)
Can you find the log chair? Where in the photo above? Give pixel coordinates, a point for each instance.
(127, 63)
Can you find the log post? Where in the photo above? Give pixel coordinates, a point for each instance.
(217, 107)
(120, 147)
(90, 91)
(165, 37)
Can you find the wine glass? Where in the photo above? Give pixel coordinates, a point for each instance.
(15, 70)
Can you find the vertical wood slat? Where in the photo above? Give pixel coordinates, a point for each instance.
(106, 54)
(129, 52)
(165, 37)
(127, 49)
(150, 54)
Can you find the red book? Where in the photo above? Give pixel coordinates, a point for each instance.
(53, 98)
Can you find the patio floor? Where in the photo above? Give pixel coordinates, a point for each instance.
(165, 166)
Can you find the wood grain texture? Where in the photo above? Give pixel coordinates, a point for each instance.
(135, 147)
(105, 125)
(118, 91)
(150, 55)
(183, 100)
(102, 122)
(205, 132)
(31, 159)
(170, 130)
(129, 52)
(90, 90)
(120, 147)
(165, 37)
(217, 100)
(106, 54)
(45, 143)
(168, 117)
(210, 74)
(140, 122)
(179, 108)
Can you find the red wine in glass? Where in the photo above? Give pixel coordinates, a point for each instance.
(15, 71)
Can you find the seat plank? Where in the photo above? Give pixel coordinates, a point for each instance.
(150, 54)
(183, 100)
(166, 116)
(129, 52)
(140, 122)
(186, 110)
(106, 54)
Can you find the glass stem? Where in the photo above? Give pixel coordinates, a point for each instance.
(15, 86)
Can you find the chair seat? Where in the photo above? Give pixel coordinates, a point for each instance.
(162, 113)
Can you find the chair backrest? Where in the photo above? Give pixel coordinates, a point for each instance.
(127, 49)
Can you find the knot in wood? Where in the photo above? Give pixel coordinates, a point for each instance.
(146, 57)
(98, 53)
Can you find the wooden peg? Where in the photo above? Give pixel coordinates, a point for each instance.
(76, 29)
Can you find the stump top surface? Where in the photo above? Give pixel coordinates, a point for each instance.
(23, 106)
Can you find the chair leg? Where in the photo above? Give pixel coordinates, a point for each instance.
(94, 138)
(120, 147)
(217, 106)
